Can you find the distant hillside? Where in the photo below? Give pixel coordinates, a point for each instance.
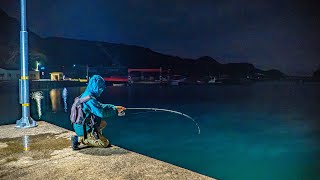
(62, 51)
(10, 39)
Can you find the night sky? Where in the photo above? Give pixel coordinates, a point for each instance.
(280, 34)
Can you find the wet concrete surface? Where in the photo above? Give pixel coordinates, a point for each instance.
(49, 156)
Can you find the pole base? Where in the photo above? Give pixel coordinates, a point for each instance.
(26, 122)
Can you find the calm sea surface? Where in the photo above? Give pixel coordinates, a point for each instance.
(260, 131)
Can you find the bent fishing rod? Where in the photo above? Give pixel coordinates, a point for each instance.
(122, 113)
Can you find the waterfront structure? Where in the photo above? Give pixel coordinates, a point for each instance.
(14, 75)
(56, 76)
(144, 75)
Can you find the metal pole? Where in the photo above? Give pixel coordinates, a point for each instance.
(26, 121)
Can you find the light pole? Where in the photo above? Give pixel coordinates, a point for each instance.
(26, 121)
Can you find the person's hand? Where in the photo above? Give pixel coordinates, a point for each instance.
(120, 108)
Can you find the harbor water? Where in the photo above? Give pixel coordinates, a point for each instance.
(266, 130)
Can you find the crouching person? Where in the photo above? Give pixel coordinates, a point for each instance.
(87, 114)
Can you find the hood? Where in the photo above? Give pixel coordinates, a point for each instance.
(96, 86)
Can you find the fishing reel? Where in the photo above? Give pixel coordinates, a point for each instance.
(121, 113)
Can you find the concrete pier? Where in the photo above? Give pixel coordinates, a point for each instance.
(49, 156)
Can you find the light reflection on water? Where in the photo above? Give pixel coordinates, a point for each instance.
(37, 96)
(25, 142)
(64, 96)
(55, 97)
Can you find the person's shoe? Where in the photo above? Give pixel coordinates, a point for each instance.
(74, 142)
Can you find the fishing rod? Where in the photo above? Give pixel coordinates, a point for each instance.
(122, 113)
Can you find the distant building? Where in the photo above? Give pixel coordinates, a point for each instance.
(151, 75)
(14, 74)
(56, 76)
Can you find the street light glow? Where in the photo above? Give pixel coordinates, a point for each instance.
(37, 65)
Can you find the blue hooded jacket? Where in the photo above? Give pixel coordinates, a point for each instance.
(94, 89)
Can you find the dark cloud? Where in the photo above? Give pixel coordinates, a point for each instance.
(279, 34)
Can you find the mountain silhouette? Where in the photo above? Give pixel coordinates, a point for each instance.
(66, 52)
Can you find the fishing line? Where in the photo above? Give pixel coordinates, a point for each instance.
(165, 110)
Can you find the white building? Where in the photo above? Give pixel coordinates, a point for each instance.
(11, 75)
(57, 76)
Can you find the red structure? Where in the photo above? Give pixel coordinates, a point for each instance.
(116, 79)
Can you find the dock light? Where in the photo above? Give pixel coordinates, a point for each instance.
(74, 65)
(26, 121)
(37, 66)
